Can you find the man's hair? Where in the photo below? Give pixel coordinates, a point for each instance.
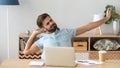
(41, 18)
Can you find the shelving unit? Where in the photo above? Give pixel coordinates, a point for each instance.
(90, 40)
(81, 43)
(22, 42)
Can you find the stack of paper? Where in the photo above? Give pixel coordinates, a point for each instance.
(88, 62)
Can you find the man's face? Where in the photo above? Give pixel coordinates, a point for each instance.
(49, 25)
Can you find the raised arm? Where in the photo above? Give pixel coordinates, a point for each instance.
(95, 24)
(30, 47)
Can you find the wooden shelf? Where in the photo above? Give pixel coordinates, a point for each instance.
(23, 37)
(91, 39)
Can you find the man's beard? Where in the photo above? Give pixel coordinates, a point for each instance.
(53, 28)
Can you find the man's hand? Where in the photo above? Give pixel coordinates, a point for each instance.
(108, 13)
(39, 31)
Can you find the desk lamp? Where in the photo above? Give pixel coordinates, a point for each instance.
(97, 17)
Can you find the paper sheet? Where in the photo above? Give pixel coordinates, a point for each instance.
(88, 62)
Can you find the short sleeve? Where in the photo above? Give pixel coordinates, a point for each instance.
(39, 43)
(71, 32)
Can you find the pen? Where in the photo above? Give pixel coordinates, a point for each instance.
(83, 61)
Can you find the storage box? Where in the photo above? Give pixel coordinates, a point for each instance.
(80, 46)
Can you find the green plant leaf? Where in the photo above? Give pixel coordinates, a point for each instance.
(114, 15)
(113, 10)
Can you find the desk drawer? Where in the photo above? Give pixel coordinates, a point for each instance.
(78, 46)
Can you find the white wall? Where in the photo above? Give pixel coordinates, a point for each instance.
(3, 34)
(66, 13)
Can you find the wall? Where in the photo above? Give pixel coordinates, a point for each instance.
(3, 34)
(66, 13)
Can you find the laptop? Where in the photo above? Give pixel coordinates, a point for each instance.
(59, 56)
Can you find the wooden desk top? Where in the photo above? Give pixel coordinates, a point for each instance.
(24, 64)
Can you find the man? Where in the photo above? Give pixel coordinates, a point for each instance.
(52, 36)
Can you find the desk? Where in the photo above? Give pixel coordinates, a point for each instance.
(24, 64)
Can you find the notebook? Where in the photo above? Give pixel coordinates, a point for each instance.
(59, 56)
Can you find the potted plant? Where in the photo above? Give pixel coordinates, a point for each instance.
(115, 19)
(114, 14)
